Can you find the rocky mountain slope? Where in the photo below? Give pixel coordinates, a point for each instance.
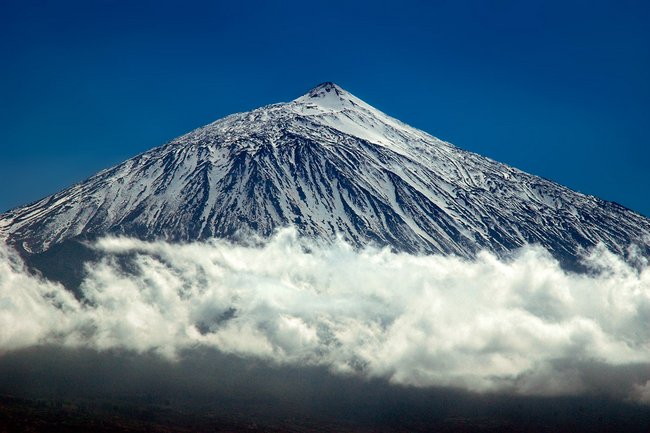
(328, 164)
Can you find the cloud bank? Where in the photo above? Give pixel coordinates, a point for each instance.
(523, 325)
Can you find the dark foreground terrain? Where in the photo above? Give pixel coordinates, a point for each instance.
(23, 415)
(64, 390)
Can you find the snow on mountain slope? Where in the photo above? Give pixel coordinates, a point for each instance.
(328, 164)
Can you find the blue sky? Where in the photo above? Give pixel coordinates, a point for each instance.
(558, 89)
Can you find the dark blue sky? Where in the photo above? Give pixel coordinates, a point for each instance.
(558, 89)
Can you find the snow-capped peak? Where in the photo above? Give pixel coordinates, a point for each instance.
(325, 88)
(328, 164)
(331, 106)
(331, 97)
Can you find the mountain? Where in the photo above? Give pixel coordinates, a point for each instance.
(328, 164)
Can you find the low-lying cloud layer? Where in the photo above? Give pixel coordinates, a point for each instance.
(523, 325)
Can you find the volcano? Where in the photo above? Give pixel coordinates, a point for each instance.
(330, 165)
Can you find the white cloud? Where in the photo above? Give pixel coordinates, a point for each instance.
(482, 325)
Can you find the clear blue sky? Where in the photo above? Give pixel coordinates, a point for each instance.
(559, 89)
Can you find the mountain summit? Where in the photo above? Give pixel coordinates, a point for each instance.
(328, 164)
(329, 95)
